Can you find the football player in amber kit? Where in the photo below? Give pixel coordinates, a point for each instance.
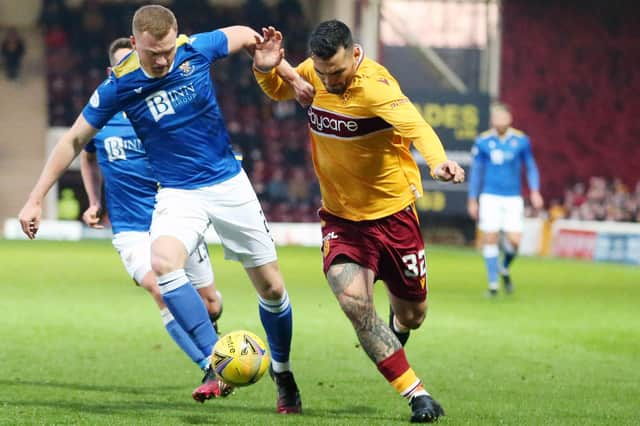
(362, 127)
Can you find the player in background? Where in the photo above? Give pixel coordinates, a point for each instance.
(362, 127)
(116, 157)
(495, 192)
(165, 89)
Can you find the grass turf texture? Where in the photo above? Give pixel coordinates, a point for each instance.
(80, 344)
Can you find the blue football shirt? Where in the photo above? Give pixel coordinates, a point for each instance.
(177, 116)
(498, 164)
(129, 187)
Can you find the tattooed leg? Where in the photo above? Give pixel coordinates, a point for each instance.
(352, 285)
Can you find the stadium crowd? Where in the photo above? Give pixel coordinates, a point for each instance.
(273, 137)
(602, 200)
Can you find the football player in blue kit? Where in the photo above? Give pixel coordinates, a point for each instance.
(495, 192)
(116, 157)
(165, 89)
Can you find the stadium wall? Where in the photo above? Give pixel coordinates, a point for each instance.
(284, 234)
(594, 241)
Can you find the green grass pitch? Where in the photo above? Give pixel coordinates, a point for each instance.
(80, 344)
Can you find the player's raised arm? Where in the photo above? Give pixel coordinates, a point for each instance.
(65, 150)
(240, 37)
(277, 78)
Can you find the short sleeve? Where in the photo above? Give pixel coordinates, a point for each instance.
(102, 105)
(213, 44)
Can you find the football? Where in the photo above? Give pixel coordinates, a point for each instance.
(240, 358)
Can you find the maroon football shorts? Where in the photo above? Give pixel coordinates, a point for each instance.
(391, 247)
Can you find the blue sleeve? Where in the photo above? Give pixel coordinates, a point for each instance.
(91, 146)
(213, 45)
(533, 177)
(102, 105)
(476, 172)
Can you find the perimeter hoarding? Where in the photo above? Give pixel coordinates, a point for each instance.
(457, 119)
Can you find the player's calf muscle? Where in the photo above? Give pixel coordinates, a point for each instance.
(377, 340)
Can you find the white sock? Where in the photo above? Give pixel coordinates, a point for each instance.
(280, 367)
(418, 392)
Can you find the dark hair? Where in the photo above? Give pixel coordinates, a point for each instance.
(119, 43)
(327, 38)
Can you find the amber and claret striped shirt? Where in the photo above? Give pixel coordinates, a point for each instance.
(361, 139)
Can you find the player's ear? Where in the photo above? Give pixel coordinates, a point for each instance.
(357, 52)
(132, 39)
(108, 71)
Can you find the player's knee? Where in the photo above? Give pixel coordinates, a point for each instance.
(412, 319)
(161, 265)
(168, 254)
(490, 238)
(415, 321)
(272, 290)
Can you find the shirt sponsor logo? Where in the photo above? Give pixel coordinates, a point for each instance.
(336, 125)
(164, 102)
(116, 147)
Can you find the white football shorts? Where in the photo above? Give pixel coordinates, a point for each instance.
(134, 248)
(500, 213)
(233, 209)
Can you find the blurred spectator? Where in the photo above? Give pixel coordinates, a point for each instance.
(298, 188)
(603, 200)
(12, 52)
(277, 190)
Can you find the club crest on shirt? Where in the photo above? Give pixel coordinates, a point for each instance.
(186, 68)
(346, 96)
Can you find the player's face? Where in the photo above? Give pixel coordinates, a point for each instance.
(156, 55)
(500, 120)
(337, 72)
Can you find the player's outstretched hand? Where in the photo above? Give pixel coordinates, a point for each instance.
(91, 217)
(268, 51)
(449, 171)
(29, 218)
